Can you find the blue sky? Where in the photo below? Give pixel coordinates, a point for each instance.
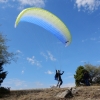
(39, 52)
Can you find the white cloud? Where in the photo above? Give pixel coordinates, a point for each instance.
(3, 1)
(18, 51)
(33, 61)
(90, 5)
(48, 56)
(6, 3)
(19, 83)
(19, 54)
(35, 3)
(49, 72)
(21, 4)
(51, 56)
(44, 55)
(15, 83)
(20, 7)
(32, 2)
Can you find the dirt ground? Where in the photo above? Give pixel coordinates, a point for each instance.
(83, 93)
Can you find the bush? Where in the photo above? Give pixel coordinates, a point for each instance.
(79, 75)
(94, 72)
(4, 91)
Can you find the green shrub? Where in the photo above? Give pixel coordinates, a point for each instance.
(4, 91)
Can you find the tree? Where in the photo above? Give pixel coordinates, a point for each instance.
(2, 74)
(94, 72)
(79, 75)
(5, 57)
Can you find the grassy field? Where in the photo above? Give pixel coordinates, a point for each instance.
(83, 93)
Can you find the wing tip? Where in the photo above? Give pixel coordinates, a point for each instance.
(67, 43)
(15, 25)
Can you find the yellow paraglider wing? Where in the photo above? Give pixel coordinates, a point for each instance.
(46, 20)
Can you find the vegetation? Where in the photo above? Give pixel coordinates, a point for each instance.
(79, 75)
(2, 74)
(4, 91)
(5, 55)
(5, 58)
(94, 72)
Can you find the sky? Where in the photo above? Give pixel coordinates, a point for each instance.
(39, 52)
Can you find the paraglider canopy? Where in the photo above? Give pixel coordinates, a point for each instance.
(46, 20)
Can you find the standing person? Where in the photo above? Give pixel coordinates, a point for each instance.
(58, 78)
(86, 77)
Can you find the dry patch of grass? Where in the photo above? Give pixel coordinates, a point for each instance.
(83, 93)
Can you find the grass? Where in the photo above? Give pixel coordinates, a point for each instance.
(83, 93)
